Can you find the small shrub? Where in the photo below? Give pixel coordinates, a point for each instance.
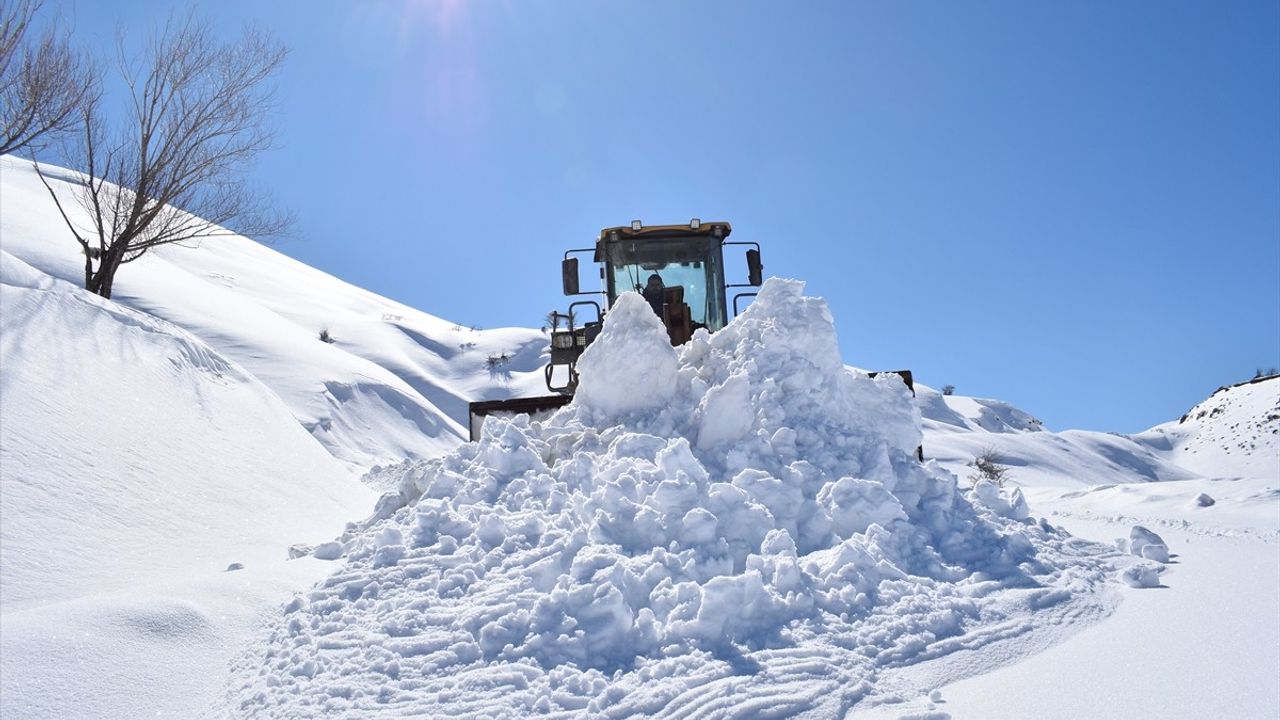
(1266, 372)
(987, 466)
(948, 389)
(326, 337)
(466, 346)
(496, 362)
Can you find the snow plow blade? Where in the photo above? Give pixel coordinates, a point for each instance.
(532, 406)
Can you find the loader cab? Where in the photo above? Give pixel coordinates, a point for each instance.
(689, 262)
(692, 295)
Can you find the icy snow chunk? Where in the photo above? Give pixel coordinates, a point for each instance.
(726, 412)
(1146, 544)
(1142, 575)
(1019, 509)
(854, 505)
(990, 495)
(328, 551)
(631, 366)
(1155, 551)
(698, 527)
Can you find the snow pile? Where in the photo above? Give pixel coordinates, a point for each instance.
(739, 522)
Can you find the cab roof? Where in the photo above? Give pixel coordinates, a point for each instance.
(630, 231)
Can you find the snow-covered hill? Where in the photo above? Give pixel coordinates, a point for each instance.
(138, 465)
(1235, 432)
(393, 384)
(958, 429)
(197, 420)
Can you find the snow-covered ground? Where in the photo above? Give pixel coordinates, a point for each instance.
(742, 533)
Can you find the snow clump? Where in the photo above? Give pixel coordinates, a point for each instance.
(1142, 575)
(1146, 544)
(739, 515)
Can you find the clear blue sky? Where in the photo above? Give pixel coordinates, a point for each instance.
(1073, 206)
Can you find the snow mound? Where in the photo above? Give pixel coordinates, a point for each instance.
(739, 522)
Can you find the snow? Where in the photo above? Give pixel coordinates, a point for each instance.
(633, 369)
(1144, 543)
(138, 465)
(605, 560)
(395, 383)
(737, 526)
(1205, 646)
(1142, 575)
(1236, 431)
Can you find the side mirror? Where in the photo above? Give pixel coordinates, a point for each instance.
(755, 271)
(569, 275)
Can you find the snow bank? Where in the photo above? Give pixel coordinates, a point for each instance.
(739, 519)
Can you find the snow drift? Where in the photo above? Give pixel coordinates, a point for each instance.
(733, 525)
(138, 464)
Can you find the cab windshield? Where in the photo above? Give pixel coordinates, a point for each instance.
(689, 262)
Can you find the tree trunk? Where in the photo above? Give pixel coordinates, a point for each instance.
(101, 281)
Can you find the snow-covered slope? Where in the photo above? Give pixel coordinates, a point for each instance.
(1210, 485)
(1234, 433)
(138, 464)
(394, 383)
(958, 429)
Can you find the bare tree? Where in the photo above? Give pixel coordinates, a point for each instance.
(43, 81)
(987, 466)
(171, 171)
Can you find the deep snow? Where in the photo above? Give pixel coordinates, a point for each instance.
(122, 553)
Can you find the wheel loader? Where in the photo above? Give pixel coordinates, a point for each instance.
(678, 269)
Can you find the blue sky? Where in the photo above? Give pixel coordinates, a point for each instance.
(1074, 207)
